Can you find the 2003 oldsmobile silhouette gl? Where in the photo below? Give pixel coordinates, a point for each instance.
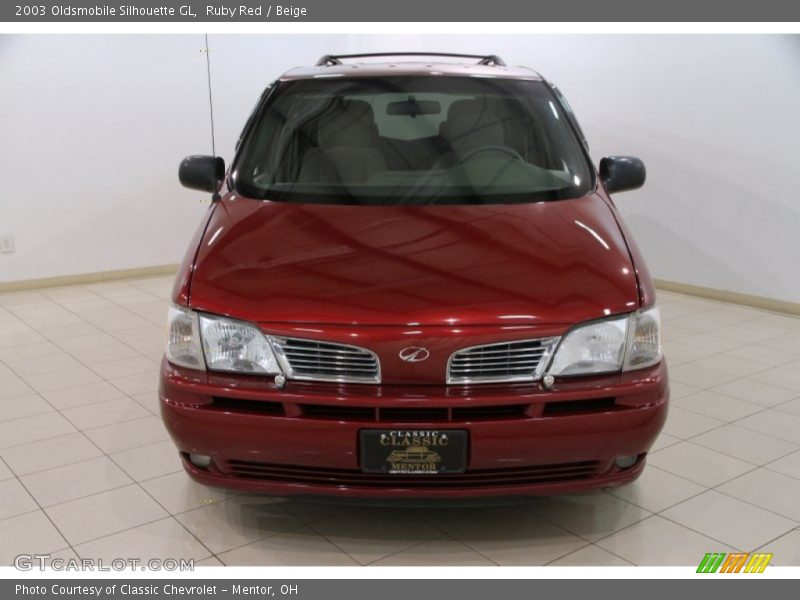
(412, 282)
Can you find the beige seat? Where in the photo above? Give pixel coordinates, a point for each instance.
(472, 124)
(345, 151)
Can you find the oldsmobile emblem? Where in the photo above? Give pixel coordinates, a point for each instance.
(414, 354)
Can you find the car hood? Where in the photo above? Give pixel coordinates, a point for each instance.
(539, 263)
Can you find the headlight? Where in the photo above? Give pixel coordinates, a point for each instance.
(235, 346)
(183, 338)
(199, 341)
(619, 343)
(598, 347)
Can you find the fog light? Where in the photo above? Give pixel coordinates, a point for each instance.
(623, 462)
(200, 460)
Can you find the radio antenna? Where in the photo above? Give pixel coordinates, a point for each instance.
(215, 196)
(210, 100)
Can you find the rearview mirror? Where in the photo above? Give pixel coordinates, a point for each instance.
(202, 173)
(413, 107)
(622, 173)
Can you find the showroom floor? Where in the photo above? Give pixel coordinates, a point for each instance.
(87, 469)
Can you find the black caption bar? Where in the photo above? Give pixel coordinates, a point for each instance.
(377, 589)
(349, 589)
(405, 11)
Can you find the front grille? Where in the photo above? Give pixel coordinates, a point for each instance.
(523, 360)
(416, 413)
(340, 413)
(311, 360)
(565, 407)
(491, 412)
(237, 405)
(470, 479)
(419, 414)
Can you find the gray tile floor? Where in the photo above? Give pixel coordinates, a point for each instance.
(87, 470)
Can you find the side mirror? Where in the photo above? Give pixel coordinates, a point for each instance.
(202, 173)
(622, 173)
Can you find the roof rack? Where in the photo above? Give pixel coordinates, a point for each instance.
(483, 59)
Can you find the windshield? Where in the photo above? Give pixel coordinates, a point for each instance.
(412, 140)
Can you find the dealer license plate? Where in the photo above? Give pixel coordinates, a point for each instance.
(413, 451)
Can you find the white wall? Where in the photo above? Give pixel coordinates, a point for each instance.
(95, 127)
(91, 131)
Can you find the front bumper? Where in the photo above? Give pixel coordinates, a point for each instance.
(523, 439)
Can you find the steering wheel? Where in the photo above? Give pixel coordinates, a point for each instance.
(497, 149)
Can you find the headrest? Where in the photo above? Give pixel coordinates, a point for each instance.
(472, 124)
(360, 109)
(350, 123)
(460, 108)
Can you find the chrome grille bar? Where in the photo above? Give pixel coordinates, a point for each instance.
(312, 360)
(522, 360)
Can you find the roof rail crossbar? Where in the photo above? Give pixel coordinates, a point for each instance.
(483, 59)
(327, 60)
(492, 59)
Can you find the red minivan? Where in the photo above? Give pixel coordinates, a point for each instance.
(412, 282)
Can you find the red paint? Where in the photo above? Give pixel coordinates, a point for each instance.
(388, 277)
(630, 427)
(553, 262)
(180, 288)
